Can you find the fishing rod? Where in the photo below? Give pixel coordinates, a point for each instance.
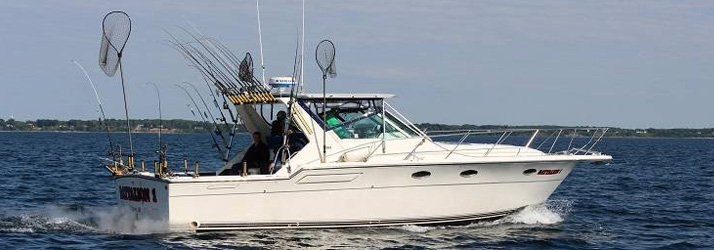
(220, 111)
(208, 69)
(255, 86)
(158, 96)
(208, 64)
(200, 65)
(195, 62)
(217, 128)
(99, 101)
(215, 142)
(162, 148)
(296, 75)
(285, 149)
(233, 119)
(212, 53)
(213, 43)
(224, 65)
(206, 76)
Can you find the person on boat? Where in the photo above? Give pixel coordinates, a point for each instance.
(296, 139)
(257, 156)
(277, 127)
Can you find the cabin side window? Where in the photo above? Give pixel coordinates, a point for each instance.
(357, 119)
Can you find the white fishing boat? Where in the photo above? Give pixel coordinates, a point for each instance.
(370, 177)
(342, 160)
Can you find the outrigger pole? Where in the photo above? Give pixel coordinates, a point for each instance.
(260, 39)
(302, 50)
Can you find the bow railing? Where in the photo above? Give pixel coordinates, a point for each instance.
(579, 140)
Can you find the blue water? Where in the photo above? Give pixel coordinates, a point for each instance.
(657, 194)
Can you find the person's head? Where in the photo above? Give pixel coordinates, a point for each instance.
(281, 115)
(257, 137)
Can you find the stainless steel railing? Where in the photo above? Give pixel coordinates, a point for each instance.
(592, 135)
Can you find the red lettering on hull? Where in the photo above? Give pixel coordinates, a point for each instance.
(137, 194)
(549, 171)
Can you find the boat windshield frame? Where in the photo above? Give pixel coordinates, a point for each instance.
(358, 118)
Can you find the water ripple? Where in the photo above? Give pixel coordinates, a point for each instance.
(657, 194)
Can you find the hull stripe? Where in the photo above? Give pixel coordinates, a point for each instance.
(345, 224)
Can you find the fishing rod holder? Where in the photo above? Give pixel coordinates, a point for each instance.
(185, 165)
(196, 171)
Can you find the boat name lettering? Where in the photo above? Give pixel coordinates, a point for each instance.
(549, 171)
(137, 194)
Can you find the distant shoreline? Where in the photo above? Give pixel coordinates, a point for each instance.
(180, 126)
(100, 132)
(187, 133)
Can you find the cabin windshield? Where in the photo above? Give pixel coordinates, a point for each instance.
(358, 119)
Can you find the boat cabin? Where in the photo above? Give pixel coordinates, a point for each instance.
(347, 120)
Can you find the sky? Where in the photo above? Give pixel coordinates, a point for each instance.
(632, 64)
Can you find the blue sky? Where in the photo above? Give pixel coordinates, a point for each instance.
(601, 63)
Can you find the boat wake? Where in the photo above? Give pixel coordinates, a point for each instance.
(73, 219)
(56, 219)
(548, 213)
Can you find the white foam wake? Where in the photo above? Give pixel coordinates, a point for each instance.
(550, 212)
(80, 220)
(547, 213)
(416, 229)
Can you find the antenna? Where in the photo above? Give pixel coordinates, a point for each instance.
(99, 101)
(260, 38)
(116, 28)
(325, 57)
(302, 49)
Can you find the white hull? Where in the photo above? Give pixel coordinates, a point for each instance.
(345, 196)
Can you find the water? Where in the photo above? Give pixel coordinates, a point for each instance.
(657, 194)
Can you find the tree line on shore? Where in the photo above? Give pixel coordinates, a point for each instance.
(612, 132)
(189, 126)
(114, 125)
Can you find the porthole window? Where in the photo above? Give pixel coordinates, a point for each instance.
(469, 173)
(529, 171)
(421, 174)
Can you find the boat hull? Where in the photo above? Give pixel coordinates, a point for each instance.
(347, 196)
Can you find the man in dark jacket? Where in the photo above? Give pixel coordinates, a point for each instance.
(257, 155)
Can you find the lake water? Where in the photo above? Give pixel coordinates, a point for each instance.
(658, 193)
